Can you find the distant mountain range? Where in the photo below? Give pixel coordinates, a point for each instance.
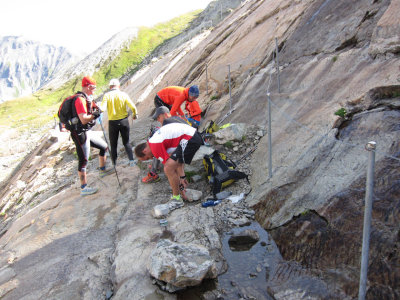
(26, 65)
(95, 60)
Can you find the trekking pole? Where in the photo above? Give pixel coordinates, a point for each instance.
(108, 146)
(246, 155)
(226, 115)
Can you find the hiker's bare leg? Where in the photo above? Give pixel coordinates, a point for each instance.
(181, 172)
(171, 168)
(102, 161)
(82, 177)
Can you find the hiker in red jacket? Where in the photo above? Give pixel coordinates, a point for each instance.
(194, 112)
(173, 97)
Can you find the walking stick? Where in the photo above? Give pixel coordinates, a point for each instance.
(108, 145)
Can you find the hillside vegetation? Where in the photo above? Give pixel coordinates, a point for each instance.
(37, 110)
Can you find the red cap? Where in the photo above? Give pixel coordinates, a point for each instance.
(87, 80)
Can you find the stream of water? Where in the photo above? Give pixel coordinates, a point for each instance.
(249, 266)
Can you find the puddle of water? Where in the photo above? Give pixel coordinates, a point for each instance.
(248, 271)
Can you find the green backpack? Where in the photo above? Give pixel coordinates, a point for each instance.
(221, 171)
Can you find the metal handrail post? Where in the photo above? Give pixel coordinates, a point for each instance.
(277, 64)
(207, 79)
(369, 191)
(269, 137)
(230, 94)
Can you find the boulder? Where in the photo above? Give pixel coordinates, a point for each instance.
(193, 195)
(181, 265)
(234, 132)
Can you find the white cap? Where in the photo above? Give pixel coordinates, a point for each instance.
(114, 82)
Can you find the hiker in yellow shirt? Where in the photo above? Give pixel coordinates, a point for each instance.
(115, 102)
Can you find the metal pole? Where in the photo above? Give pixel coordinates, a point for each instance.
(369, 191)
(108, 145)
(230, 96)
(277, 64)
(207, 79)
(269, 137)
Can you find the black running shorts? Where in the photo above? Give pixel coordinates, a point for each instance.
(185, 152)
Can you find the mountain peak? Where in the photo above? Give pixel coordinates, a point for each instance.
(25, 65)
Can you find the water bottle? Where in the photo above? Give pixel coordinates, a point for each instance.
(223, 195)
(210, 203)
(164, 223)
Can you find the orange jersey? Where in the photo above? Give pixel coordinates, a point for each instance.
(194, 110)
(175, 96)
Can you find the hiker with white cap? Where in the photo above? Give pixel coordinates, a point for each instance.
(116, 103)
(173, 97)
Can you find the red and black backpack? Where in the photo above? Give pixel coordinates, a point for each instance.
(68, 115)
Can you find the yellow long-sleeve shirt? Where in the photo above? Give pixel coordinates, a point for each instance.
(116, 102)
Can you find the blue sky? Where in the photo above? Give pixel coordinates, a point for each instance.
(83, 25)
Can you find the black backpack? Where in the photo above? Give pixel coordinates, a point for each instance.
(221, 171)
(68, 115)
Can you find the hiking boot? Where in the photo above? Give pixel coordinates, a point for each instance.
(150, 178)
(105, 172)
(175, 203)
(87, 190)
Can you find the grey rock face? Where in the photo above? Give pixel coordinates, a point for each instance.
(386, 36)
(313, 204)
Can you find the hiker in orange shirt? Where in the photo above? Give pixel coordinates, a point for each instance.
(194, 112)
(173, 97)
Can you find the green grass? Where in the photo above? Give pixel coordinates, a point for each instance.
(341, 112)
(229, 144)
(189, 175)
(37, 110)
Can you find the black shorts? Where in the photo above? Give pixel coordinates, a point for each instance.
(159, 102)
(185, 152)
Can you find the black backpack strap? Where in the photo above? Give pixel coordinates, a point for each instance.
(76, 96)
(79, 127)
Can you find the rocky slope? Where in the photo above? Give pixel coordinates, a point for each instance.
(92, 63)
(333, 54)
(26, 65)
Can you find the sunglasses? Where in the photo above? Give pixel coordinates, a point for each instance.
(92, 86)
